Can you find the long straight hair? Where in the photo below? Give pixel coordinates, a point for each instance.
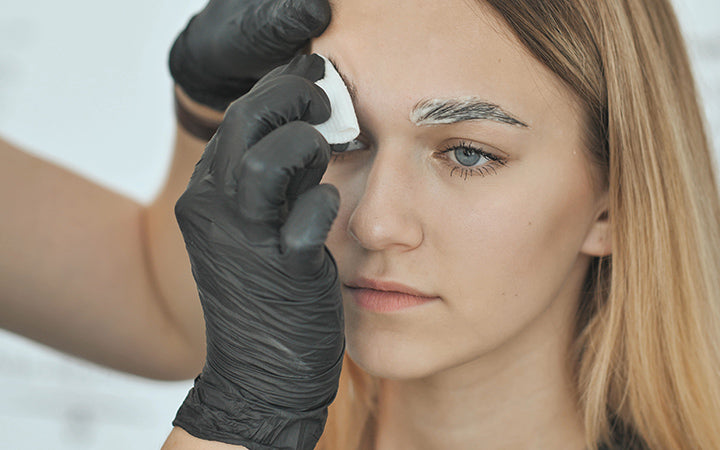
(647, 344)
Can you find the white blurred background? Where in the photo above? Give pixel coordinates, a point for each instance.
(84, 83)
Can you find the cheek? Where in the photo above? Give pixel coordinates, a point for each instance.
(516, 244)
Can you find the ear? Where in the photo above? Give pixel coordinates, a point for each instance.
(598, 241)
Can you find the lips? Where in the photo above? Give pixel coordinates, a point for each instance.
(386, 296)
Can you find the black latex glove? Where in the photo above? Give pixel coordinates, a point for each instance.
(231, 44)
(255, 220)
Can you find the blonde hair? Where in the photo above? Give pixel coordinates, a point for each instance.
(647, 347)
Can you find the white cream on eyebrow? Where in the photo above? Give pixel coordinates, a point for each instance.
(445, 111)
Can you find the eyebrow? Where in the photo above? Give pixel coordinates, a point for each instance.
(352, 89)
(439, 111)
(452, 110)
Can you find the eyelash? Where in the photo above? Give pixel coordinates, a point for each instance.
(488, 168)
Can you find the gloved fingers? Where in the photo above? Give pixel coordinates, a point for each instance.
(303, 236)
(285, 26)
(285, 94)
(280, 167)
(280, 100)
(306, 66)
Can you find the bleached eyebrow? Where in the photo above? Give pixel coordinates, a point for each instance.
(438, 111)
(452, 110)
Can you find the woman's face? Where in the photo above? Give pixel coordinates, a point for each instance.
(489, 210)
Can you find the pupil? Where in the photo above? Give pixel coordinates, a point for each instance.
(466, 156)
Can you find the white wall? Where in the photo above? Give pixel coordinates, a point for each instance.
(84, 83)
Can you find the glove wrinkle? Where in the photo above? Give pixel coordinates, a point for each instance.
(255, 219)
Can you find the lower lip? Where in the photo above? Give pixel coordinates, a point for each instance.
(386, 301)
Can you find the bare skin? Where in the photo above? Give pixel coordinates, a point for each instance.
(96, 274)
(179, 439)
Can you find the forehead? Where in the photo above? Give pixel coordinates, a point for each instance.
(400, 52)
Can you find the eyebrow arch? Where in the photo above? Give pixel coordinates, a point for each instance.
(448, 110)
(452, 110)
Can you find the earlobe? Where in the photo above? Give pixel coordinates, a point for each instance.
(598, 241)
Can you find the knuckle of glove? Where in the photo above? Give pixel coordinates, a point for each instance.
(318, 15)
(309, 149)
(239, 112)
(304, 20)
(186, 203)
(282, 85)
(282, 99)
(297, 242)
(192, 209)
(185, 210)
(256, 166)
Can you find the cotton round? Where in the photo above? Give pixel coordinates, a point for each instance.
(342, 127)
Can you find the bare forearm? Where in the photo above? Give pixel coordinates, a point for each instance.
(180, 439)
(74, 272)
(166, 249)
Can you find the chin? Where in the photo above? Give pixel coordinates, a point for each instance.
(390, 358)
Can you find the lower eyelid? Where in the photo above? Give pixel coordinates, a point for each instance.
(490, 167)
(469, 172)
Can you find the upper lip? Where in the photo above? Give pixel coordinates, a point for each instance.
(389, 286)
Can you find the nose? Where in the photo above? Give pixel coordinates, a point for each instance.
(387, 216)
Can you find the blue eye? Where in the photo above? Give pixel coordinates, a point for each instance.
(464, 158)
(467, 156)
(467, 159)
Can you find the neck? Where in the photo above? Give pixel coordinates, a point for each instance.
(518, 396)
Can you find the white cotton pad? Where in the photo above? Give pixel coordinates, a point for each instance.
(342, 127)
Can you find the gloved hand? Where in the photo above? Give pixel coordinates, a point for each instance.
(231, 44)
(255, 221)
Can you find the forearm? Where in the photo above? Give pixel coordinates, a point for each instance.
(180, 439)
(167, 256)
(74, 272)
